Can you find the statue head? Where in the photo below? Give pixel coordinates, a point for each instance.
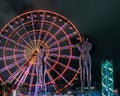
(42, 49)
(85, 38)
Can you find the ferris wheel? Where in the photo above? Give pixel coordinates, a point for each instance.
(20, 51)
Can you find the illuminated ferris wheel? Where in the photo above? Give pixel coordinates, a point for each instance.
(21, 54)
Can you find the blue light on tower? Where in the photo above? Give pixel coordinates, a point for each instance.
(107, 78)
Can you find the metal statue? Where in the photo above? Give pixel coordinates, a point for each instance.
(85, 63)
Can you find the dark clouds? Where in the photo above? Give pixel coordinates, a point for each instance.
(99, 19)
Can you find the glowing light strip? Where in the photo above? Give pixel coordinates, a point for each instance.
(13, 41)
(5, 68)
(50, 28)
(41, 28)
(11, 57)
(22, 80)
(19, 35)
(57, 32)
(21, 74)
(10, 66)
(33, 29)
(58, 73)
(42, 23)
(2, 80)
(26, 32)
(52, 81)
(68, 36)
(26, 73)
(28, 54)
(63, 56)
(69, 82)
(63, 65)
(12, 75)
(62, 48)
(62, 39)
(11, 49)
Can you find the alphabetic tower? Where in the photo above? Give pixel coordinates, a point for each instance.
(107, 78)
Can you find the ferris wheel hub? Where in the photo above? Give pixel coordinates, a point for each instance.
(33, 48)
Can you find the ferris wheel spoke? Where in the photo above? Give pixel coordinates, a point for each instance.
(11, 57)
(11, 49)
(42, 23)
(21, 73)
(11, 66)
(33, 29)
(52, 44)
(61, 76)
(20, 61)
(50, 28)
(13, 41)
(64, 56)
(22, 80)
(68, 36)
(19, 35)
(58, 73)
(63, 39)
(52, 81)
(26, 73)
(57, 32)
(20, 68)
(62, 48)
(14, 74)
(28, 54)
(2, 81)
(63, 65)
(7, 67)
(17, 75)
(41, 27)
(26, 33)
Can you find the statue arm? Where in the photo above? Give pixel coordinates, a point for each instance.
(79, 48)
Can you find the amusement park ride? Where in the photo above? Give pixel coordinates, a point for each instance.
(38, 49)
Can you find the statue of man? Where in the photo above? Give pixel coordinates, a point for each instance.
(85, 63)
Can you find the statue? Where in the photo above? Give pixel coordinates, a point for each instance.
(85, 63)
(40, 71)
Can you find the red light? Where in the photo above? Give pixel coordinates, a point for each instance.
(116, 91)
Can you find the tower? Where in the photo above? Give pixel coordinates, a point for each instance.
(107, 78)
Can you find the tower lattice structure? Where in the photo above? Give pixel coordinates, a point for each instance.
(107, 78)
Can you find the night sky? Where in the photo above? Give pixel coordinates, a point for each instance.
(97, 19)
